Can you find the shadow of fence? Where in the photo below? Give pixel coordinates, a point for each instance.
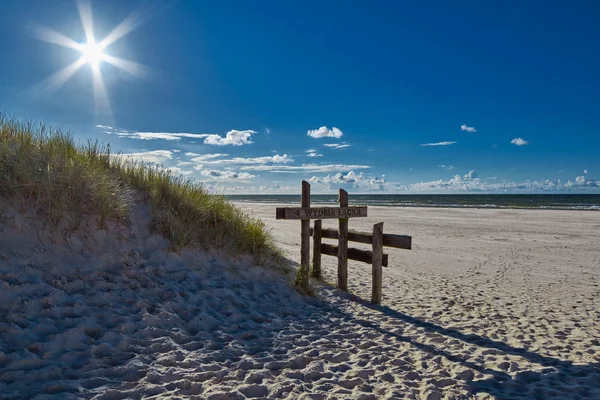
(554, 378)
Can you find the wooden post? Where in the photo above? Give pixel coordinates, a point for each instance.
(305, 238)
(316, 271)
(377, 261)
(343, 245)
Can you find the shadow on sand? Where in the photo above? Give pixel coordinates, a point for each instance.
(554, 379)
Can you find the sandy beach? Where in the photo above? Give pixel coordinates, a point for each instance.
(489, 304)
(498, 303)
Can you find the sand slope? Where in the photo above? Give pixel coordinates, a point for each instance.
(472, 312)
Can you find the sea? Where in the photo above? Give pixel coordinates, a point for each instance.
(589, 202)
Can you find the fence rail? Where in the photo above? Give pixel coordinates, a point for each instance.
(365, 256)
(389, 240)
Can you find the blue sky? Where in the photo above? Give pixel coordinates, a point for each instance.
(407, 97)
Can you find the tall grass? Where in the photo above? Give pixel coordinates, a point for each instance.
(65, 183)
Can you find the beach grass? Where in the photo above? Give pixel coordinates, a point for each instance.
(64, 183)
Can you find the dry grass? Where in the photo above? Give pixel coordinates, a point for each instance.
(65, 183)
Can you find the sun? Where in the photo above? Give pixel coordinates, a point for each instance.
(92, 53)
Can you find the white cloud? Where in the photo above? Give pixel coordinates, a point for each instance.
(233, 137)
(519, 141)
(315, 168)
(185, 163)
(313, 153)
(161, 135)
(180, 171)
(342, 145)
(277, 159)
(155, 156)
(210, 159)
(356, 181)
(585, 171)
(450, 167)
(238, 187)
(456, 183)
(214, 174)
(205, 157)
(583, 182)
(325, 132)
(149, 135)
(470, 175)
(438, 144)
(465, 127)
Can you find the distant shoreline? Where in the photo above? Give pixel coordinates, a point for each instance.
(575, 202)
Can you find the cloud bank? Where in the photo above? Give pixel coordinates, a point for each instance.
(217, 175)
(352, 179)
(233, 137)
(470, 182)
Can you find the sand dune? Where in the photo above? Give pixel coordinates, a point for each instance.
(489, 304)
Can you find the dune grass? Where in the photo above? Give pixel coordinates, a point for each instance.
(66, 183)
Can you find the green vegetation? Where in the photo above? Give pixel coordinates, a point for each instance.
(65, 183)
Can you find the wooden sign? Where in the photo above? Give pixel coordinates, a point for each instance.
(320, 212)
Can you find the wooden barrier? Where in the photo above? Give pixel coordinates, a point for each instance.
(375, 256)
(377, 239)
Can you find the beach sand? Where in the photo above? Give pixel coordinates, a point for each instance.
(488, 304)
(488, 301)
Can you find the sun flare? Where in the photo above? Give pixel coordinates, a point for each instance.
(92, 53)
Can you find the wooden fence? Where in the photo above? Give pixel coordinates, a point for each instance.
(377, 239)
(376, 257)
